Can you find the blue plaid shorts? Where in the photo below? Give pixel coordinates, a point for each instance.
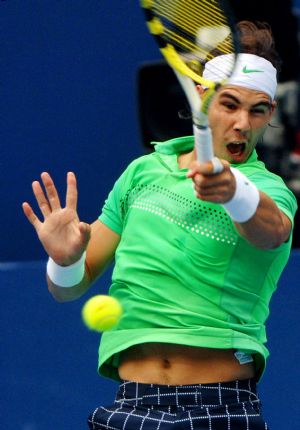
(221, 406)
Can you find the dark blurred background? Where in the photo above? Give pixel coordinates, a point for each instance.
(76, 93)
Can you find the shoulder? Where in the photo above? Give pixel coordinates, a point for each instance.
(142, 161)
(138, 170)
(260, 175)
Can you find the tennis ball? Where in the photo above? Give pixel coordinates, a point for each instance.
(101, 313)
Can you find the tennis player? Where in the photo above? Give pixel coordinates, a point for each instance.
(197, 258)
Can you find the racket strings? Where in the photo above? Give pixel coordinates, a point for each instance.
(189, 21)
(197, 29)
(189, 15)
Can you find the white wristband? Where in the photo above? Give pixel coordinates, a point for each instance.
(244, 203)
(66, 276)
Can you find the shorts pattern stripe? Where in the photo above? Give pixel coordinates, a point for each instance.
(222, 406)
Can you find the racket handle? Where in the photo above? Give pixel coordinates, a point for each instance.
(203, 143)
(204, 147)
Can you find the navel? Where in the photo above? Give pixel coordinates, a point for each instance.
(166, 363)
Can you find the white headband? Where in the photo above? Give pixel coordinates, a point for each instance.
(250, 71)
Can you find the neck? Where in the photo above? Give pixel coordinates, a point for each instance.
(185, 159)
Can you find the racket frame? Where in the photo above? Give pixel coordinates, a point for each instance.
(187, 78)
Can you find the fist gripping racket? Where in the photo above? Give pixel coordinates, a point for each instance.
(189, 33)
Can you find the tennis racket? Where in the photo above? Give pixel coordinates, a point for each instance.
(189, 33)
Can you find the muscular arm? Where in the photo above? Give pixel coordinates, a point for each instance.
(268, 228)
(99, 254)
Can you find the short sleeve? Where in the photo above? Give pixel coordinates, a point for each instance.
(276, 189)
(112, 214)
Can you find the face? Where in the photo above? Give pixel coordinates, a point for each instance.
(238, 118)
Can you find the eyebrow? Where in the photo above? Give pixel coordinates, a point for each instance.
(236, 100)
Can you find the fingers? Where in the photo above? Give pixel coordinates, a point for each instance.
(48, 199)
(216, 193)
(209, 186)
(41, 199)
(85, 231)
(209, 168)
(52, 202)
(72, 194)
(47, 203)
(213, 196)
(209, 183)
(51, 191)
(30, 215)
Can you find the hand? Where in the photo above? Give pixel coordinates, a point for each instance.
(209, 186)
(62, 234)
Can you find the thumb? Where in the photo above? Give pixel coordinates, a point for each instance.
(197, 168)
(85, 231)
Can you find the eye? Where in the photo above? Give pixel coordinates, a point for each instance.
(229, 105)
(260, 110)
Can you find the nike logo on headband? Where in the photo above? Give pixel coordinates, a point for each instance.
(245, 70)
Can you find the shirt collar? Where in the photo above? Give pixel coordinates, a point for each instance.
(185, 144)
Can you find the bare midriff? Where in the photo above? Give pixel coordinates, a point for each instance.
(168, 364)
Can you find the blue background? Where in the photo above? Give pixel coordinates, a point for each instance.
(68, 102)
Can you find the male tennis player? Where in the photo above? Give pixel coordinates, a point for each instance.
(194, 268)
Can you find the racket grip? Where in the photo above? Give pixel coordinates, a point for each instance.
(203, 143)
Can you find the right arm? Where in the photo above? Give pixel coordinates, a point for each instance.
(65, 238)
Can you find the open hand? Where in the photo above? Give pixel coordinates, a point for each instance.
(62, 234)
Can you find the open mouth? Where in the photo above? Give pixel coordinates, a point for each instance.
(236, 148)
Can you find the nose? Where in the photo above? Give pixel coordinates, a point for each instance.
(242, 121)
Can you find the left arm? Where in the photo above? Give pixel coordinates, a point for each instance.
(267, 228)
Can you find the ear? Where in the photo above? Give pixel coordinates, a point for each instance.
(273, 106)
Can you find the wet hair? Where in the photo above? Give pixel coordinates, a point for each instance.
(257, 38)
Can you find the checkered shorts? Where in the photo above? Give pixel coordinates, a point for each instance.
(222, 406)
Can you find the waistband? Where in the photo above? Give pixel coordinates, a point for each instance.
(198, 395)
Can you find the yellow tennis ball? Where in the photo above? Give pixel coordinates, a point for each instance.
(101, 313)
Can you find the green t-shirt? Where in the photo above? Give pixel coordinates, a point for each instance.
(182, 271)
